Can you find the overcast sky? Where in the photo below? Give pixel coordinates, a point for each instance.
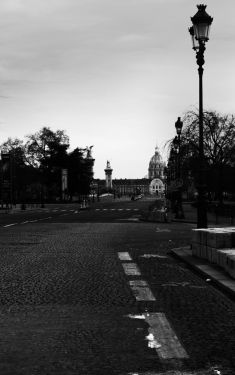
(115, 74)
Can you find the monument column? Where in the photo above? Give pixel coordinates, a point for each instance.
(108, 176)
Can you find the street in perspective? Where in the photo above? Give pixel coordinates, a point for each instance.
(98, 291)
(117, 188)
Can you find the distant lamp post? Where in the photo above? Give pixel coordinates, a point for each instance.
(179, 181)
(200, 35)
(178, 127)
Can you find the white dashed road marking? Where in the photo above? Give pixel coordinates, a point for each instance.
(131, 269)
(153, 256)
(141, 290)
(116, 209)
(124, 256)
(9, 225)
(160, 328)
(162, 337)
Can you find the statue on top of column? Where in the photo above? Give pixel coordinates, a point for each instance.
(88, 150)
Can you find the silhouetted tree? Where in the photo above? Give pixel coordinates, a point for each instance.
(219, 149)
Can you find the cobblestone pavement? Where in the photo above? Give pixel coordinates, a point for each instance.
(66, 302)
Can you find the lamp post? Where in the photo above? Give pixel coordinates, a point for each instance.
(179, 183)
(200, 35)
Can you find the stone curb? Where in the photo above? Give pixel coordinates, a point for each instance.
(211, 272)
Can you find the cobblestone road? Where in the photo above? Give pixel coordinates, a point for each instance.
(66, 303)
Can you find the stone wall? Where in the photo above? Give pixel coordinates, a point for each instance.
(216, 245)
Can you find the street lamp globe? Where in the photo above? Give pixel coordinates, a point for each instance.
(201, 24)
(178, 126)
(195, 42)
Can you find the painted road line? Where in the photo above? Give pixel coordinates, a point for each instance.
(136, 209)
(33, 221)
(161, 331)
(141, 290)
(9, 225)
(170, 372)
(24, 222)
(162, 337)
(120, 209)
(124, 256)
(97, 209)
(131, 269)
(129, 219)
(153, 256)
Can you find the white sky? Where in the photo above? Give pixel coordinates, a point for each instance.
(115, 74)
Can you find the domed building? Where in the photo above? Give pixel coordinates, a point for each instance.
(153, 184)
(156, 174)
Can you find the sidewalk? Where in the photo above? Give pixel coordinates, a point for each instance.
(210, 271)
(18, 207)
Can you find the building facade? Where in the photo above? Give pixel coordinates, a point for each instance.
(154, 184)
(156, 174)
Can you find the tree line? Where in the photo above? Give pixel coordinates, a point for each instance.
(36, 166)
(219, 153)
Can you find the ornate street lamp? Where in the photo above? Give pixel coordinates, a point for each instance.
(176, 146)
(178, 126)
(200, 35)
